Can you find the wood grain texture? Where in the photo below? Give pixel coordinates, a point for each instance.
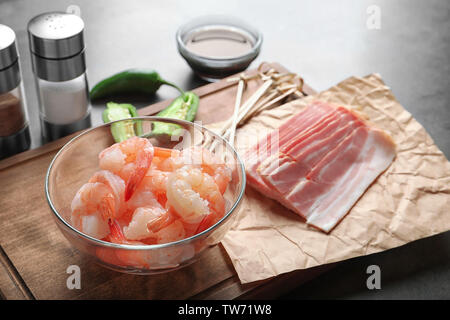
(12, 286)
(35, 254)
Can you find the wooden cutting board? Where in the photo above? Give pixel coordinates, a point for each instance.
(34, 255)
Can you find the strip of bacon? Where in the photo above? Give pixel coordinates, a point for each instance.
(279, 137)
(325, 166)
(308, 192)
(374, 158)
(295, 163)
(287, 131)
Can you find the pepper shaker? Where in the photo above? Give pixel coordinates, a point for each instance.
(57, 54)
(14, 130)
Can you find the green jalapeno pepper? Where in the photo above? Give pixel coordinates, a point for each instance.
(125, 129)
(129, 82)
(184, 108)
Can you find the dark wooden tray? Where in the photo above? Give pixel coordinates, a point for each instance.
(34, 255)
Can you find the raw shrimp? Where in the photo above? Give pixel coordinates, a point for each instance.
(129, 159)
(164, 153)
(93, 225)
(145, 195)
(215, 168)
(156, 181)
(127, 257)
(172, 255)
(172, 232)
(92, 206)
(150, 193)
(116, 235)
(146, 222)
(202, 158)
(142, 197)
(156, 223)
(194, 194)
(155, 259)
(116, 184)
(168, 159)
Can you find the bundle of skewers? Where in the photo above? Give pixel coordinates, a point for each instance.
(276, 87)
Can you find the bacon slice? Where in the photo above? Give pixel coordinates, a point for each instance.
(296, 161)
(325, 165)
(348, 185)
(278, 138)
(288, 131)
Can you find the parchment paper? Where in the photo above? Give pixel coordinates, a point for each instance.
(409, 201)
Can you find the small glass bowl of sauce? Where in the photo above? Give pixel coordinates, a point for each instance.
(218, 46)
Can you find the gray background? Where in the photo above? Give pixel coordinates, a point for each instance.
(325, 42)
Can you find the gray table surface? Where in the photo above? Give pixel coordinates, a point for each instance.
(325, 42)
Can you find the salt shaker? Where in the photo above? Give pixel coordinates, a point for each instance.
(57, 54)
(14, 130)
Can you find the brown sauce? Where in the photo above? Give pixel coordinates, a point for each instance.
(219, 42)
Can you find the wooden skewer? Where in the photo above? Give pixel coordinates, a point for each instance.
(247, 106)
(264, 105)
(225, 130)
(237, 105)
(282, 84)
(267, 105)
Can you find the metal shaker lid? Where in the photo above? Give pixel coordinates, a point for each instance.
(9, 60)
(56, 35)
(8, 49)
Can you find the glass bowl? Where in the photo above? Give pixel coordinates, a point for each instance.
(213, 68)
(76, 162)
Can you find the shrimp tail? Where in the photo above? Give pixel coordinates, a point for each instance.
(143, 161)
(163, 153)
(131, 187)
(206, 222)
(116, 235)
(133, 183)
(107, 207)
(163, 221)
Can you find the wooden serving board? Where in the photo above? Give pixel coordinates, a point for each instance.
(34, 255)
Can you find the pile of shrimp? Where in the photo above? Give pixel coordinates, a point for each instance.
(148, 195)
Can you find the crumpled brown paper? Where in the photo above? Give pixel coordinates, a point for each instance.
(409, 201)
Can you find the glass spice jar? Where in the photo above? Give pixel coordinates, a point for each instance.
(14, 129)
(58, 59)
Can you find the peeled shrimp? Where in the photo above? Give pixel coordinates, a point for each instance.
(146, 221)
(145, 195)
(162, 258)
(116, 184)
(132, 258)
(194, 194)
(156, 181)
(201, 158)
(142, 197)
(215, 168)
(93, 225)
(173, 232)
(129, 159)
(92, 206)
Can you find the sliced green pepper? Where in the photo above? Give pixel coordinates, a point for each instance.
(125, 129)
(184, 108)
(129, 82)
